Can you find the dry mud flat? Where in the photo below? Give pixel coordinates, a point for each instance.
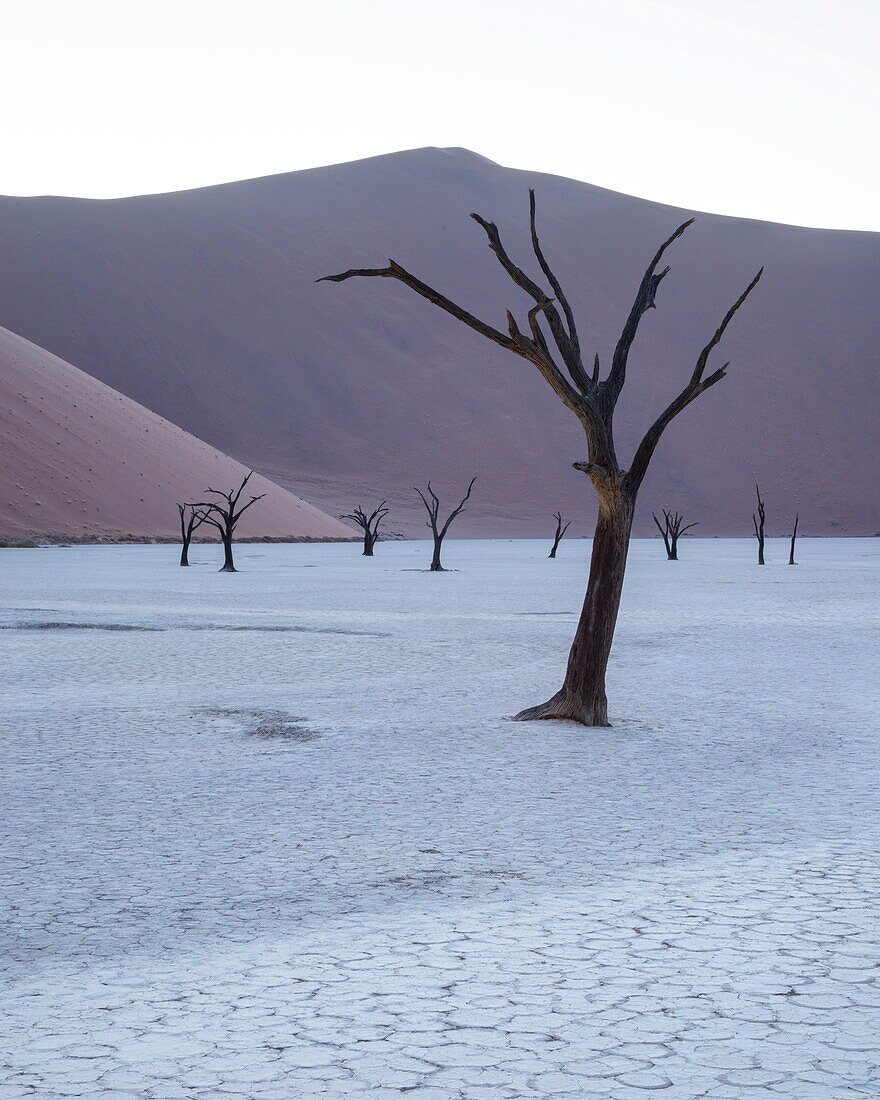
(269, 835)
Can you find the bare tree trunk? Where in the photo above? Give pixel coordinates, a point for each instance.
(190, 519)
(791, 560)
(560, 532)
(671, 552)
(228, 563)
(436, 567)
(758, 522)
(582, 695)
(368, 544)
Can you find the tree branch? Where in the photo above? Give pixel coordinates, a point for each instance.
(433, 508)
(695, 386)
(236, 516)
(206, 516)
(551, 278)
(647, 291)
(456, 511)
(514, 341)
(567, 347)
(703, 357)
(395, 271)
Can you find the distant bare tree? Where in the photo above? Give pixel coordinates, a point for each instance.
(671, 529)
(758, 522)
(592, 400)
(190, 519)
(791, 560)
(439, 533)
(560, 533)
(369, 524)
(225, 516)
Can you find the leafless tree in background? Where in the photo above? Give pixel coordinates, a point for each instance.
(190, 519)
(225, 516)
(758, 522)
(439, 533)
(791, 560)
(592, 400)
(560, 533)
(369, 524)
(671, 529)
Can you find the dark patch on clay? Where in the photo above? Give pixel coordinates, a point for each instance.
(80, 626)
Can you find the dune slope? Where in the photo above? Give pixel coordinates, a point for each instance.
(79, 460)
(202, 305)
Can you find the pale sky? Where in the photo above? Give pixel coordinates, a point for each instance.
(758, 108)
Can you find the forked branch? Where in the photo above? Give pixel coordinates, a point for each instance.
(552, 280)
(566, 339)
(433, 509)
(645, 296)
(534, 348)
(559, 534)
(190, 520)
(696, 385)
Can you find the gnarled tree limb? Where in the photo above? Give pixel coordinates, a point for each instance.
(533, 350)
(647, 291)
(696, 385)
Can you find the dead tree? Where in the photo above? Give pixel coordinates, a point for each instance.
(369, 524)
(758, 523)
(671, 529)
(439, 533)
(592, 400)
(560, 533)
(225, 516)
(791, 560)
(190, 519)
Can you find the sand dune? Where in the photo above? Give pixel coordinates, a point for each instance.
(79, 460)
(202, 306)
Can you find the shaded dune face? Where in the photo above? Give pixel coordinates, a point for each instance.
(202, 306)
(79, 460)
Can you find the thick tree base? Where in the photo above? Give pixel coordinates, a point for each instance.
(568, 709)
(436, 569)
(227, 569)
